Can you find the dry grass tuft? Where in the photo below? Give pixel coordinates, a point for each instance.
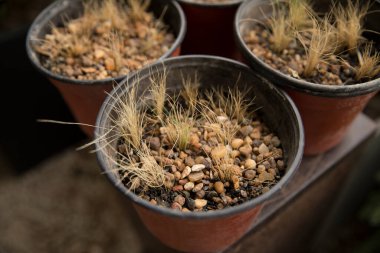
(322, 44)
(179, 124)
(369, 64)
(349, 21)
(279, 25)
(300, 12)
(190, 92)
(158, 92)
(138, 8)
(146, 172)
(131, 119)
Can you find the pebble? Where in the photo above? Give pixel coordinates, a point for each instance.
(256, 134)
(219, 187)
(200, 203)
(235, 181)
(186, 172)
(249, 174)
(219, 152)
(195, 176)
(265, 189)
(263, 149)
(177, 175)
(200, 194)
(98, 53)
(154, 143)
(176, 206)
(197, 167)
(280, 164)
(109, 64)
(250, 164)
(177, 188)
(261, 168)
(180, 200)
(183, 181)
(189, 161)
(236, 143)
(188, 186)
(246, 150)
(198, 187)
(275, 141)
(246, 130)
(243, 194)
(265, 176)
(234, 153)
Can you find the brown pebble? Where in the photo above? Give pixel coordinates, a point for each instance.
(261, 168)
(246, 150)
(177, 175)
(275, 141)
(219, 187)
(176, 206)
(265, 189)
(250, 164)
(200, 194)
(243, 193)
(263, 148)
(177, 188)
(265, 176)
(234, 153)
(236, 143)
(235, 181)
(188, 186)
(249, 174)
(280, 164)
(186, 172)
(200, 203)
(153, 202)
(198, 187)
(246, 130)
(189, 161)
(109, 64)
(180, 200)
(197, 167)
(183, 181)
(256, 134)
(195, 176)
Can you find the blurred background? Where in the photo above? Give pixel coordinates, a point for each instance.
(26, 145)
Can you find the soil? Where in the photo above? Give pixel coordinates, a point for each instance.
(335, 68)
(213, 171)
(110, 47)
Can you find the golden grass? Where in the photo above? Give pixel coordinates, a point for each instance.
(130, 120)
(281, 30)
(158, 92)
(369, 63)
(138, 8)
(322, 44)
(299, 14)
(349, 21)
(190, 92)
(179, 124)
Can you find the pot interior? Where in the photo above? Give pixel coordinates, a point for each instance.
(274, 107)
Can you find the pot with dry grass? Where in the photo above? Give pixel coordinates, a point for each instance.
(324, 62)
(210, 27)
(84, 47)
(199, 144)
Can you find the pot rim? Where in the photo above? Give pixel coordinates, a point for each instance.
(107, 107)
(45, 17)
(211, 5)
(299, 84)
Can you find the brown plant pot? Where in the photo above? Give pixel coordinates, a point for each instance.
(205, 231)
(84, 97)
(326, 111)
(210, 28)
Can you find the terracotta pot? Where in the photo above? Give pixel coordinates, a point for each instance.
(210, 28)
(206, 231)
(326, 110)
(84, 97)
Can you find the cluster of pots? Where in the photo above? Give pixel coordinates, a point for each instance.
(309, 118)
